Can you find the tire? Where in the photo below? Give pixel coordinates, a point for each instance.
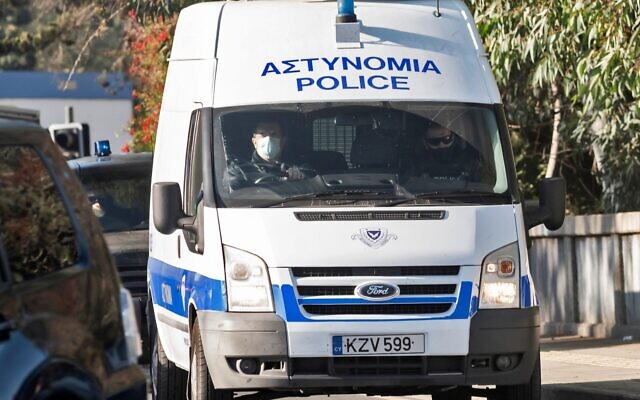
(454, 394)
(200, 383)
(527, 391)
(168, 382)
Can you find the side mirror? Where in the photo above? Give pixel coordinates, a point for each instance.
(550, 209)
(167, 209)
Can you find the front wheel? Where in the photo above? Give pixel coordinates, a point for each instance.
(168, 382)
(200, 383)
(526, 391)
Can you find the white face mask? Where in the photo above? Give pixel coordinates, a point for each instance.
(268, 147)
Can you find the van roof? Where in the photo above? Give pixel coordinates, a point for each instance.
(271, 52)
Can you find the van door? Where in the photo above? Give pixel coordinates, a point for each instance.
(196, 282)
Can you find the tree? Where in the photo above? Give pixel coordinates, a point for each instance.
(51, 34)
(569, 75)
(149, 46)
(97, 34)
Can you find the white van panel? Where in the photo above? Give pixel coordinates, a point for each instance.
(464, 237)
(274, 63)
(196, 32)
(189, 85)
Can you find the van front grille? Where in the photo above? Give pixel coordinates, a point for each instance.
(320, 272)
(400, 309)
(422, 290)
(369, 215)
(405, 290)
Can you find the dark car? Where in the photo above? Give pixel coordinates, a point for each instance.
(118, 190)
(67, 327)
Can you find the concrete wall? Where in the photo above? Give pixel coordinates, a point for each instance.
(107, 119)
(587, 275)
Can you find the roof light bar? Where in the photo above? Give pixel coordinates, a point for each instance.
(102, 148)
(346, 11)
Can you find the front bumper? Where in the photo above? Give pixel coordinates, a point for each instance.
(229, 338)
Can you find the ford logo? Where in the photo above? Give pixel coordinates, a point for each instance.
(377, 291)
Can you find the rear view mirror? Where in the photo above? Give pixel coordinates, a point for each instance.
(167, 209)
(550, 209)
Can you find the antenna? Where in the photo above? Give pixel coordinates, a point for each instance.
(437, 11)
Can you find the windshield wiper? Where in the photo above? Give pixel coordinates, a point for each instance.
(346, 193)
(451, 195)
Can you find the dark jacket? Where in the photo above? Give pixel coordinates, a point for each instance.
(460, 162)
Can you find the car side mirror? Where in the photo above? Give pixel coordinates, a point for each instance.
(167, 209)
(550, 209)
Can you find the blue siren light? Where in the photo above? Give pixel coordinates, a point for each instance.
(102, 148)
(346, 11)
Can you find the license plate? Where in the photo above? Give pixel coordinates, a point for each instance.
(378, 344)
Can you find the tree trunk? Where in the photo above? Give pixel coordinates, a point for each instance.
(555, 138)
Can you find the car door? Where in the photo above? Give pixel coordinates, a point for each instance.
(45, 270)
(16, 350)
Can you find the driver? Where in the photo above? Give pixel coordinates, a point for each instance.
(266, 164)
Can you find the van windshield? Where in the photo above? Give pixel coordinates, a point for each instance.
(367, 154)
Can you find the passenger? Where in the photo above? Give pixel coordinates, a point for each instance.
(265, 165)
(446, 156)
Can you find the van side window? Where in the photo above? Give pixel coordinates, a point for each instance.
(35, 226)
(193, 190)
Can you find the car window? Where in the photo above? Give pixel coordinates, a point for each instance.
(121, 203)
(35, 226)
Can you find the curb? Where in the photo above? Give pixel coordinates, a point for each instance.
(584, 392)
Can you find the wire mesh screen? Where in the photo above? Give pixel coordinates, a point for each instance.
(328, 136)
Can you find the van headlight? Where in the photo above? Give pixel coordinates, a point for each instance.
(248, 287)
(500, 278)
(130, 327)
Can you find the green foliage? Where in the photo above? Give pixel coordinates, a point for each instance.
(51, 34)
(155, 9)
(590, 50)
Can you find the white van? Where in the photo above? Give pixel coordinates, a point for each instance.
(335, 207)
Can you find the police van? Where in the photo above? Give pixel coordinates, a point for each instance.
(335, 208)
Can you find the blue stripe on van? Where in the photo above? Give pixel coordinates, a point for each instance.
(166, 283)
(525, 292)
